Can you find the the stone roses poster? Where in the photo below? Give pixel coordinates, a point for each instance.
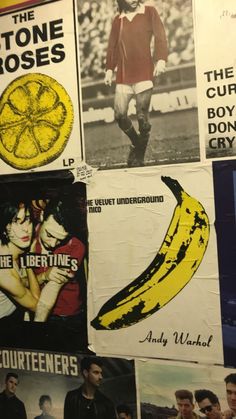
(40, 118)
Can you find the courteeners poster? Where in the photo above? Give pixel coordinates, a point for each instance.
(153, 288)
(50, 376)
(40, 118)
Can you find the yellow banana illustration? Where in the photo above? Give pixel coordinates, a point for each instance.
(172, 268)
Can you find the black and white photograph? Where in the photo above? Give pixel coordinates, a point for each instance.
(138, 83)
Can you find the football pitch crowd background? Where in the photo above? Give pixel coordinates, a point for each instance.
(95, 20)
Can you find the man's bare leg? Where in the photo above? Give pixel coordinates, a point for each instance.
(143, 100)
(121, 105)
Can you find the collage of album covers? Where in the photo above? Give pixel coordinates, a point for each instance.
(117, 208)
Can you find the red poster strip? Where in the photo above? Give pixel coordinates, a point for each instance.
(14, 4)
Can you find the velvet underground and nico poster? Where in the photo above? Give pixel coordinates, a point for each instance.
(40, 119)
(52, 385)
(43, 261)
(153, 264)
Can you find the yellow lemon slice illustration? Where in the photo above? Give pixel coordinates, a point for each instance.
(36, 119)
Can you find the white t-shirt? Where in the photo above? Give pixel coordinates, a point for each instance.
(7, 307)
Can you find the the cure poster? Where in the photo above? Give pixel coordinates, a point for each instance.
(40, 120)
(216, 76)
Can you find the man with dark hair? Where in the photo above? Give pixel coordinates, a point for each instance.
(124, 412)
(185, 405)
(208, 404)
(45, 404)
(61, 295)
(10, 406)
(18, 287)
(230, 381)
(129, 52)
(87, 402)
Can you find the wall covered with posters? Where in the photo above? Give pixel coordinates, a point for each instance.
(117, 209)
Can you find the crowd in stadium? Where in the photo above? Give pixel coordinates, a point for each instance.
(95, 18)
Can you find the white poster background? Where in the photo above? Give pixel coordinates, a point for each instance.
(215, 32)
(65, 72)
(124, 239)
